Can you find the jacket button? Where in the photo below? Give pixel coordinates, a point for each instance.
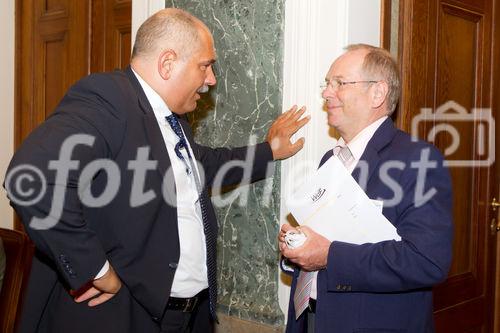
(173, 265)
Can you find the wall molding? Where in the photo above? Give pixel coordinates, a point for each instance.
(237, 325)
(311, 43)
(308, 40)
(7, 95)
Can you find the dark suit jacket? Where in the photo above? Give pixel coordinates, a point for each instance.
(386, 287)
(141, 243)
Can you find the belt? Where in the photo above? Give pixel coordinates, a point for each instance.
(186, 304)
(312, 305)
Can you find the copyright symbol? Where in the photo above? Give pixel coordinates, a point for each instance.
(25, 184)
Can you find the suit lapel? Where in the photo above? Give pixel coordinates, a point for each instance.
(371, 158)
(153, 133)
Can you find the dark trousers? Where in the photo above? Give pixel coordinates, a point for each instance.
(310, 314)
(198, 321)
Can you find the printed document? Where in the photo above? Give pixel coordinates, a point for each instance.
(335, 206)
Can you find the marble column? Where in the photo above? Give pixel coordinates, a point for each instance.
(249, 41)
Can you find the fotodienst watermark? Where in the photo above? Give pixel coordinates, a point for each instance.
(447, 119)
(27, 184)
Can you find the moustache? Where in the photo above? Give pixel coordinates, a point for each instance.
(203, 89)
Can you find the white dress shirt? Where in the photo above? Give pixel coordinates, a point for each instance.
(357, 147)
(191, 275)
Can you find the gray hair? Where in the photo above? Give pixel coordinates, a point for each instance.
(380, 64)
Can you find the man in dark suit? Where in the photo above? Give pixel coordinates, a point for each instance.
(123, 225)
(385, 286)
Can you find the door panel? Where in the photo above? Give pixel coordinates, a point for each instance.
(57, 43)
(445, 55)
(51, 55)
(111, 48)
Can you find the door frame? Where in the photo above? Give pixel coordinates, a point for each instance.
(495, 78)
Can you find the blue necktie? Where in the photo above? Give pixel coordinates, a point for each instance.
(176, 127)
(210, 236)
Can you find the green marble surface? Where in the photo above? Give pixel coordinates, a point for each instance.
(249, 41)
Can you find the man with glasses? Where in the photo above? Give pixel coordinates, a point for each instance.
(384, 286)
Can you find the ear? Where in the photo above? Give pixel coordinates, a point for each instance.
(166, 63)
(379, 93)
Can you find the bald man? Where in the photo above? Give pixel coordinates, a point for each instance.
(144, 259)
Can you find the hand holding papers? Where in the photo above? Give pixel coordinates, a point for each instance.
(335, 206)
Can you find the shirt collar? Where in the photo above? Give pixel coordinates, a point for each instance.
(358, 144)
(157, 103)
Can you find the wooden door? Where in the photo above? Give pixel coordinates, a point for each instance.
(52, 53)
(111, 38)
(59, 42)
(446, 54)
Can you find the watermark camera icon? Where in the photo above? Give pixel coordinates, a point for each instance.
(451, 113)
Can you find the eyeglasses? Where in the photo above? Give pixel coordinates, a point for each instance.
(334, 84)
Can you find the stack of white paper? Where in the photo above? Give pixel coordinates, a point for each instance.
(334, 205)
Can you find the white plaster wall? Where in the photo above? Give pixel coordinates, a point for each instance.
(7, 10)
(363, 21)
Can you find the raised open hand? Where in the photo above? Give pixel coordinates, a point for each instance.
(281, 131)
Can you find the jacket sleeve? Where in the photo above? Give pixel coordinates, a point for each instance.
(48, 165)
(236, 166)
(423, 256)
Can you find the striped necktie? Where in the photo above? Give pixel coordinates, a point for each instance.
(210, 236)
(305, 279)
(344, 154)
